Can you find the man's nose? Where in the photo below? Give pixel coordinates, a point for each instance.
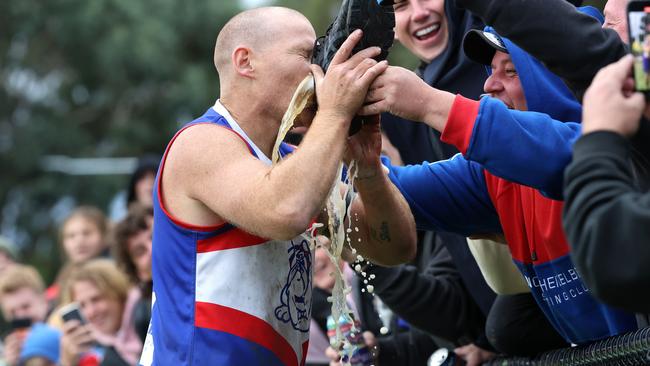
(492, 85)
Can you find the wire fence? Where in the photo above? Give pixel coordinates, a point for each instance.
(630, 349)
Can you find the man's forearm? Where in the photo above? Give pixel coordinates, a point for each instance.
(571, 44)
(306, 177)
(437, 107)
(387, 232)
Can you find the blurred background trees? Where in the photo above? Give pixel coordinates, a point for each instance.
(101, 79)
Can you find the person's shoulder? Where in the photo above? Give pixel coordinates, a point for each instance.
(203, 148)
(206, 140)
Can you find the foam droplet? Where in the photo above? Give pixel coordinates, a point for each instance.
(357, 268)
(371, 288)
(383, 330)
(372, 276)
(356, 228)
(359, 258)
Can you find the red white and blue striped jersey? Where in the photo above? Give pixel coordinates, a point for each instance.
(223, 296)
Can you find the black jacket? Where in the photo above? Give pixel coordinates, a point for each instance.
(431, 297)
(607, 208)
(570, 43)
(608, 221)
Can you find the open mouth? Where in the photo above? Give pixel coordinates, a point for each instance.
(427, 32)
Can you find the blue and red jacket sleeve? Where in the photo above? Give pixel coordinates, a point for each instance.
(528, 148)
(448, 195)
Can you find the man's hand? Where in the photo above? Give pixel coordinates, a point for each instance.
(473, 355)
(397, 91)
(76, 340)
(364, 148)
(13, 345)
(341, 92)
(402, 93)
(609, 104)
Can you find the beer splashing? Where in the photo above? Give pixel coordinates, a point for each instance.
(303, 96)
(336, 209)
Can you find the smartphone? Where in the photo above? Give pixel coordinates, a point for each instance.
(19, 323)
(638, 22)
(72, 312)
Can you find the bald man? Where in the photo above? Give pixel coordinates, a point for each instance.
(232, 268)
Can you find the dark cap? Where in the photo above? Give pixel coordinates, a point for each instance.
(480, 46)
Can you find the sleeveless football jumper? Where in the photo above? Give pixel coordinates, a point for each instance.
(222, 296)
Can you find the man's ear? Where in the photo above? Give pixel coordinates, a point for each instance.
(241, 61)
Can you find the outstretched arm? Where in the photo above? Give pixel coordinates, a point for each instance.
(513, 145)
(570, 43)
(449, 195)
(510, 144)
(386, 232)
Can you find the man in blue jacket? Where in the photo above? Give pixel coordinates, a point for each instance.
(575, 47)
(512, 162)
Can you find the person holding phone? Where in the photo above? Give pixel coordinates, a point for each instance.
(603, 194)
(23, 303)
(98, 327)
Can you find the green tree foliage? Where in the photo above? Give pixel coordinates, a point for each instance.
(100, 78)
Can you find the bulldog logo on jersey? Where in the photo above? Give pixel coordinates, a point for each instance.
(296, 294)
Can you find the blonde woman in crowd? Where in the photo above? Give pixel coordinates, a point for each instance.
(106, 300)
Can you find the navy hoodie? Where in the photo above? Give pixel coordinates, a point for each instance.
(511, 163)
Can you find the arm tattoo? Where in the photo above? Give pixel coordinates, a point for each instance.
(382, 235)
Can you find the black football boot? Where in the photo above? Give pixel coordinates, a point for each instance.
(377, 21)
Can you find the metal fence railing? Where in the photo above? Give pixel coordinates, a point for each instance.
(630, 349)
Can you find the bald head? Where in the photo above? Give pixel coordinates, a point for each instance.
(255, 29)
